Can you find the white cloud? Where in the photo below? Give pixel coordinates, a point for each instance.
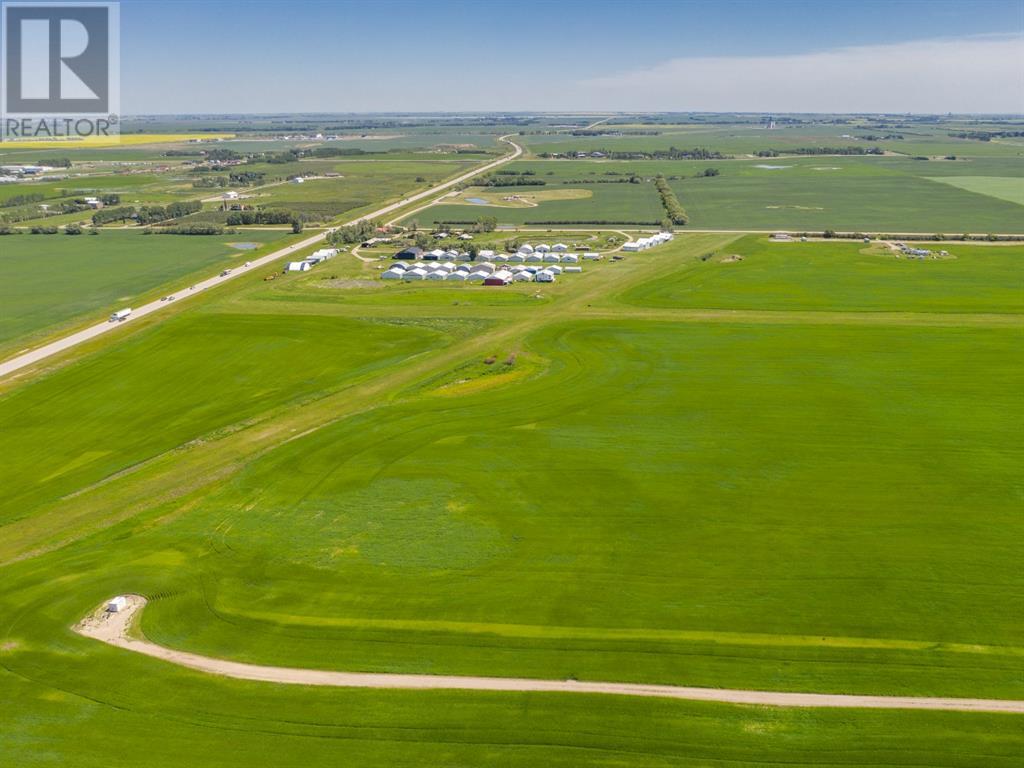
(974, 74)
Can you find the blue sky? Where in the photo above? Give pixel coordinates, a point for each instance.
(271, 56)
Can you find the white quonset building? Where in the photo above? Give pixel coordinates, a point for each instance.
(526, 248)
(298, 266)
(393, 274)
(118, 604)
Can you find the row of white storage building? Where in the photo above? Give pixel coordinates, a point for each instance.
(486, 273)
(519, 257)
(648, 242)
(312, 260)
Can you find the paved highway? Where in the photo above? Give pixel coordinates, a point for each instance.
(67, 342)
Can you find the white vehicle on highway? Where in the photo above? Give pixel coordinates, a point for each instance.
(121, 315)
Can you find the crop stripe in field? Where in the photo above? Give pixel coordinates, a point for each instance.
(112, 628)
(599, 633)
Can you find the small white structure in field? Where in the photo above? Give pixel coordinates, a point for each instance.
(465, 236)
(326, 253)
(591, 256)
(554, 269)
(559, 247)
(437, 274)
(486, 254)
(393, 274)
(574, 269)
(440, 235)
(118, 604)
(458, 275)
(517, 258)
(230, 195)
(477, 277)
(535, 257)
(570, 258)
(298, 180)
(526, 248)
(298, 266)
(522, 277)
(433, 255)
(499, 257)
(542, 248)
(485, 267)
(415, 274)
(545, 276)
(551, 257)
(781, 236)
(631, 247)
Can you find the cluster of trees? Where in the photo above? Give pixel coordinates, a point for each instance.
(109, 215)
(987, 135)
(187, 229)
(673, 208)
(40, 229)
(151, 214)
(354, 233)
(884, 137)
(14, 200)
(707, 172)
(280, 216)
(482, 224)
(147, 214)
(510, 179)
(234, 179)
(822, 151)
(57, 162)
(612, 132)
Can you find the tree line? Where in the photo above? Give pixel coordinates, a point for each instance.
(673, 208)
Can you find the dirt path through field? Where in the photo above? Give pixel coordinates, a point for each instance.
(113, 629)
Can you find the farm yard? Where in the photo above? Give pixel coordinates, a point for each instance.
(715, 459)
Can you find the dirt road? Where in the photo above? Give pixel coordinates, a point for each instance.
(113, 630)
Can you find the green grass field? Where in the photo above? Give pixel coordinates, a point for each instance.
(47, 281)
(844, 276)
(794, 471)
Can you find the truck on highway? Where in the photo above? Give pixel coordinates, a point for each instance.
(120, 315)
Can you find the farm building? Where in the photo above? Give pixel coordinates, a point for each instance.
(393, 274)
(544, 276)
(554, 269)
(570, 258)
(553, 258)
(118, 604)
(522, 277)
(500, 257)
(416, 274)
(486, 254)
(485, 267)
(326, 253)
(298, 180)
(535, 257)
(457, 276)
(410, 254)
(298, 266)
(437, 274)
(518, 258)
(465, 236)
(526, 248)
(477, 277)
(542, 248)
(559, 247)
(433, 255)
(631, 247)
(574, 269)
(501, 277)
(781, 236)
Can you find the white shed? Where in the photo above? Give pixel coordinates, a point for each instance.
(118, 604)
(477, 277)
(298, 266)
(560, 247)
(486, 254)
(393, 274)
(570, 258)
(459, 275)
(517, 258)
(522, 277)
(526, 248)
(415, 274)
(574, 269)
(544, 276)
(631, 247)
(542, 248)
(551, 257)
(591, 256)
(534, 257)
